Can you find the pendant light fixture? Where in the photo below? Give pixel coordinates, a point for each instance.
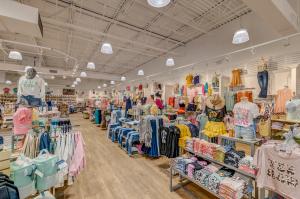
(112, 82)
(15, 55)
(8, 82)
(99, 87)
(104, 85)
(170, 62)
(83, 74)
(240, 36)
(158, 3)
(78, 79)
(75, 83)
(123, 78)
(106, 48)
(46, 84)
(141, 72)
(73, 86)
(91, 65)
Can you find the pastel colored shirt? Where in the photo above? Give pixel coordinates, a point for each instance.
(244, 113)
(34, 87)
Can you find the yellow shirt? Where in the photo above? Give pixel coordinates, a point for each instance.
(185, 133)
(189, 79)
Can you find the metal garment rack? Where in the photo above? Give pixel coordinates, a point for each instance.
(251, 177)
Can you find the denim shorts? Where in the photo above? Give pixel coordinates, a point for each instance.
(30, 100)
(247, 133)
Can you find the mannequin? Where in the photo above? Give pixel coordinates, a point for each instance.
(31, 88)
(244, 114)
(263, 78)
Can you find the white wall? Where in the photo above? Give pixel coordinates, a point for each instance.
(218, 42)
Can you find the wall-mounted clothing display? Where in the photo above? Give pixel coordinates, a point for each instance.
(263, 80)
(283, 95)
(236, 78)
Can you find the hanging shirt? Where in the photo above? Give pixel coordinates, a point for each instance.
(189, 79)
(22, 120)
(282, 97)
(244, 113)
(278, 171)
(229, 100)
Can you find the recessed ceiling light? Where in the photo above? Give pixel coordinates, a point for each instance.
(78, 79)
(64, 77)
(170, 62)
(106, 48)
(52, 77)
(158, 3)
(46, 84)
(99, 87)
(73, 86)
(15, 55)
(8, 82)
(123, 78)
(75, 83)
(112, 82)
(83, 74)
(240, 36)
(141, 72)
(104, 85)
(91, 65)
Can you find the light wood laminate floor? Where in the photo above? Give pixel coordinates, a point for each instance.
(111, 174)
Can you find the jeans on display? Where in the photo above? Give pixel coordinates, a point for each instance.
(30, 100)
(247, 133)
(263, 78)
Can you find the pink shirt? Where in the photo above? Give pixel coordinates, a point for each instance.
(78, 161)
(22, 120)
(159, 103)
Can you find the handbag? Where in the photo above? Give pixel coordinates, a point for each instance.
(46, 173)
(22, 174)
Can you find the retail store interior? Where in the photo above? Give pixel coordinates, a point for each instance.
(149, 99)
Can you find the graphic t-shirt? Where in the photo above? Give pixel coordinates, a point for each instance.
(34, 87)
(278, 171)
(244, 113)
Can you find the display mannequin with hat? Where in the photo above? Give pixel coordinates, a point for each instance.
(215, 108)
(31, 88)
(215, 111)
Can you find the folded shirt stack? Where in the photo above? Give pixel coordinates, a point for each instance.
(246, 164)
(277, 125)
(232, 188)
(220, 154)
(181, 163)
(189, 144)
(233, 157)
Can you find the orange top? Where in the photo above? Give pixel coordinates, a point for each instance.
(283, 95)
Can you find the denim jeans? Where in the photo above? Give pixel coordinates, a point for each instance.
(263, 78)
(247, 133)
(30, 100)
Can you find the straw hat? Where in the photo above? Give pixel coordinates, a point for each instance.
(215, 102)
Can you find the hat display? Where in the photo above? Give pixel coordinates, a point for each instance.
(215, 102)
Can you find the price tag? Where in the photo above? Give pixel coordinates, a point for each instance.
(39, 173)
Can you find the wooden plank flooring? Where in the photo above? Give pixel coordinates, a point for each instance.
(112, 174)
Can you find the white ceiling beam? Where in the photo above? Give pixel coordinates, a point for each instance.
(278, 13)
(60, 72)
(194, 26)
(98, 33)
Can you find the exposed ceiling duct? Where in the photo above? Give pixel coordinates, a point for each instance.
(20, 18)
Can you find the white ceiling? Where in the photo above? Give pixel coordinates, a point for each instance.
(138, 32)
